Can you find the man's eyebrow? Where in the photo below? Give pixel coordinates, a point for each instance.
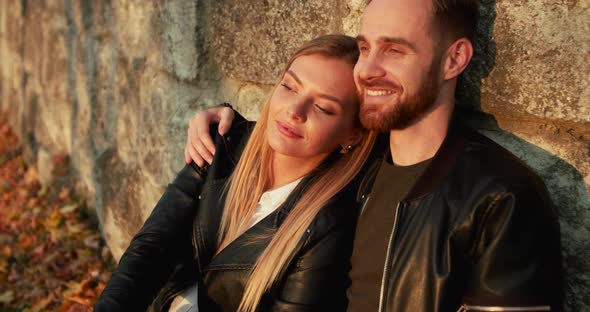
(385, 39)
(322, 95)
(397, 40)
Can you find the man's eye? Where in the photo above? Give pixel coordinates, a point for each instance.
(363, 48)
(395, 51)
(323, 110)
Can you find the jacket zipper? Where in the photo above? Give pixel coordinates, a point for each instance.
(467, 308)
(387, 259)
(365, 204)
(195, 243)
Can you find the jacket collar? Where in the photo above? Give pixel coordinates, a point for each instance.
(440, 167)
(444, 161)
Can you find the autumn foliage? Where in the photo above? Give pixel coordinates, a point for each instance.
(51, 255)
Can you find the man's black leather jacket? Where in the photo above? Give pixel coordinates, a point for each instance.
(476, 233)
(175, 247)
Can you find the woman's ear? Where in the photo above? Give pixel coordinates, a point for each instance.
(354, 139)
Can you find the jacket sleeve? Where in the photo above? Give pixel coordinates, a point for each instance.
(319, 277)
(517, 254)
(154, 252)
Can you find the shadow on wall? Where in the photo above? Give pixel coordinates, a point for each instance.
(565, 183)
(567, 190)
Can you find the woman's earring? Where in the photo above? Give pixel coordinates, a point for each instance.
(346, 150)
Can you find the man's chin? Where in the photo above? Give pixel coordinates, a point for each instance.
(374, 120)
(385, 121)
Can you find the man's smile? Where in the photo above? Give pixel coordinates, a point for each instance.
(379, 92)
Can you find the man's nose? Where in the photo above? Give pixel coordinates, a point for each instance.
(370, 68)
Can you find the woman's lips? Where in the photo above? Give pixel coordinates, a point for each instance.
(288, 131)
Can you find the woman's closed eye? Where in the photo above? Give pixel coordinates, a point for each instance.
(324, 110)
(288, 87)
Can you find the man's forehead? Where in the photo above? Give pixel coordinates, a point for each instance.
(425, 5)
(396, 18)
(411, 13)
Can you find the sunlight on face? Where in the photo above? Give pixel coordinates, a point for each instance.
(398, 70)
(313, 109)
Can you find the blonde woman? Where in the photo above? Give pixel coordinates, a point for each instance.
(269, 225)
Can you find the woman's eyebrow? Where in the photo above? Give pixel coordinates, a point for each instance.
(292, 74)
(322, 95)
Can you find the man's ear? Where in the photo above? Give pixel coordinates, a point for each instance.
(457, 58)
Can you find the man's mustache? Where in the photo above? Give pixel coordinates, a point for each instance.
(379, 84)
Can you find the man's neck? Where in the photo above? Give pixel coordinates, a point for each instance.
(421, 140)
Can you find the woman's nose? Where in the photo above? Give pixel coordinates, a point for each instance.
(298, 108)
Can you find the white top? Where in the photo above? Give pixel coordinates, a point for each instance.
(271, 200)
(187, 300)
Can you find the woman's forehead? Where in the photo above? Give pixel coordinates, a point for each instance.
(328, 74)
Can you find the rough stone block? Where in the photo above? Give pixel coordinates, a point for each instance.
(133, 21)
(11, 65)
(177, 24)
(351, 22)
(127, 196)
(252, 40)
(251, 100)
(542, 64)
(47, 106)
(44, 165)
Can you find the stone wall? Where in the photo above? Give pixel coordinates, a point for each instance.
(113, 83)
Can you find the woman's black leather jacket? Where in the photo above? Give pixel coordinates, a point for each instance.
(175, 247)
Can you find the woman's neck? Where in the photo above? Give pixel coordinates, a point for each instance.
(286, 169)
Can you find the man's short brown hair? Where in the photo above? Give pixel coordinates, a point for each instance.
(455, 19)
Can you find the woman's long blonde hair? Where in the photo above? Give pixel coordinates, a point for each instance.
(252, 176)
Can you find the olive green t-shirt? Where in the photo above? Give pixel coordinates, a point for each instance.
(374, 227)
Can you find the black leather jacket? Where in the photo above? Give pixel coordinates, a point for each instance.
(477, 231)
(175, 247)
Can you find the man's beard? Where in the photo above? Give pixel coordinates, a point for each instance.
(398, 116)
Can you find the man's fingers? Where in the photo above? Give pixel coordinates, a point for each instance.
(196, 158)
(203, 137)
(200, 123)
(192, 154)
(187, 156)
(193, 140)
(202, 150)
(200, 145)
(226, 117)
(189, 151)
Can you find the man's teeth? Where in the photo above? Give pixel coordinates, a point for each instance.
(379, 92)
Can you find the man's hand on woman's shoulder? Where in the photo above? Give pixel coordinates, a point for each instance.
(199, 144)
